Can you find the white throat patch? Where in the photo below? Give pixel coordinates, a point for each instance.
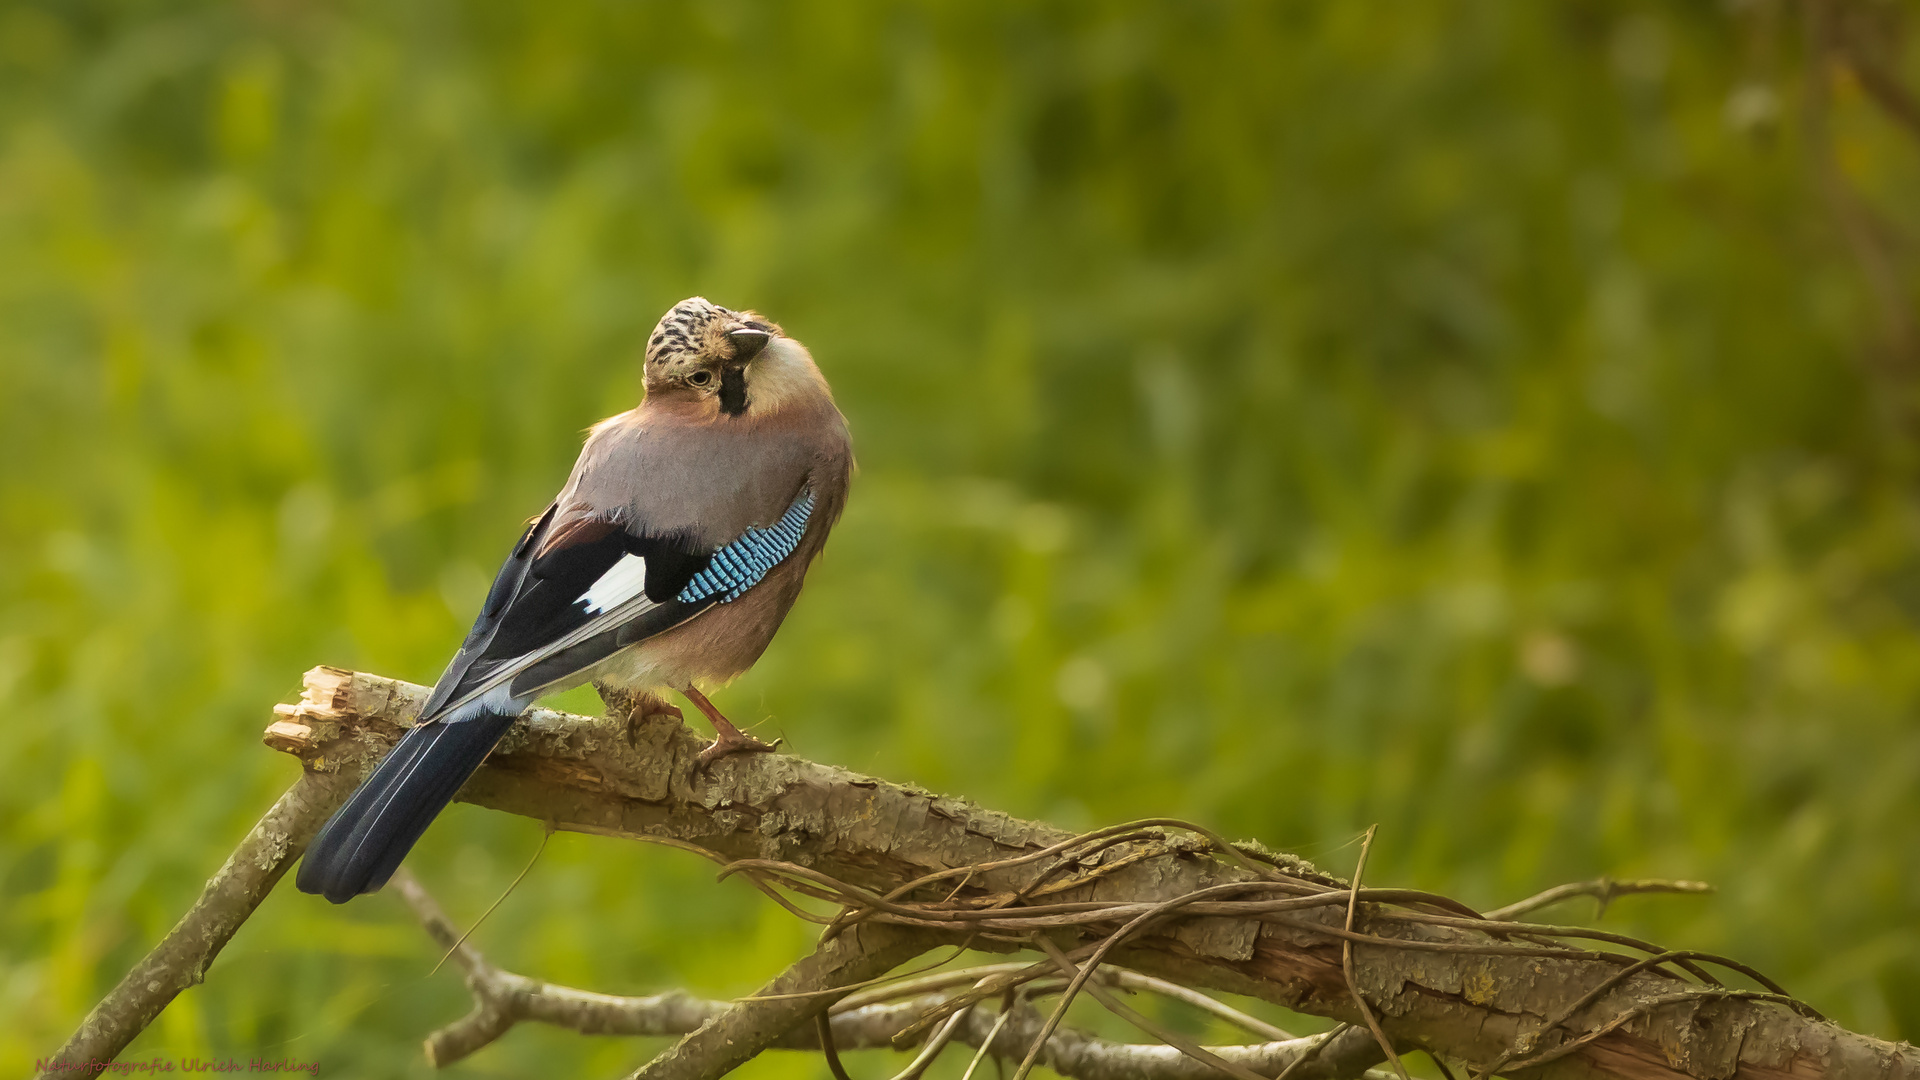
(783, 372)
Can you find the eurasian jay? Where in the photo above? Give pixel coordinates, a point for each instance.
(666, 562)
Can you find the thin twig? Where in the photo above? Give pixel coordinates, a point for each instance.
(913, 984)
(986, 1044)
(1122, 977)
(1587, 999)
(835, 992)
(518, 878)
(1133, 980)
(747, 1027)
(1346, 958)
(1230, 850)
(1602, 889)
(1633, 1012)
(1086, 971)
(1120, 1009)
(1544, 930)
(823, 1029)
(987, 988)
(1313, 1051)
(934, 1046)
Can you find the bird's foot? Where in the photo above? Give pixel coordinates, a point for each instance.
(650, 705)
(731, 740)
(728, 740)
(634, 708)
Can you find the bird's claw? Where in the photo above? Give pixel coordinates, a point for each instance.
(737, 743)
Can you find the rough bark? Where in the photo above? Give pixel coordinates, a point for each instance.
(1448, 989)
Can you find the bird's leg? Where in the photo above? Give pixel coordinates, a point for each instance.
(727, 738)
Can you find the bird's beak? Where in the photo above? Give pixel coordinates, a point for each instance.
(747, 343)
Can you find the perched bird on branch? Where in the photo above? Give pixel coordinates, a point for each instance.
(667, 562)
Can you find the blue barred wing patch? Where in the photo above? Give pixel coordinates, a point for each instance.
(740, 565)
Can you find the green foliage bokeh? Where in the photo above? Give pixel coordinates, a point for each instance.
(1287, 416)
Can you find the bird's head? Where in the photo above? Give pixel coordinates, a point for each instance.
(732, 363)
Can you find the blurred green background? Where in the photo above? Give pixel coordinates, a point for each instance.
(1470, 418)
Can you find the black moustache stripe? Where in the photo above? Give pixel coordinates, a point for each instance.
(733, 391)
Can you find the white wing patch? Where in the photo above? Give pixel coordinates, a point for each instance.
(622, 582)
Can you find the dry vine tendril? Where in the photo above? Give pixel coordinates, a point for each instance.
(1278, 895)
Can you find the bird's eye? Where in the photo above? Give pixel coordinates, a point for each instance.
(701, 377)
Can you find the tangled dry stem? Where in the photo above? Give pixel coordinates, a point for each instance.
(873, 1017)
(1004, 916)
(898, 1010)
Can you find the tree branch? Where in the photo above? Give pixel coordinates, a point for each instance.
(1268, 925)
(909, 871)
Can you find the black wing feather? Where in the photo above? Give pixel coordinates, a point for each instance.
(536, 601)
(360, 846)
(582, 655)
(506, 585)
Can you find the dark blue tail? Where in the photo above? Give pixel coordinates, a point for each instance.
(361, 846)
